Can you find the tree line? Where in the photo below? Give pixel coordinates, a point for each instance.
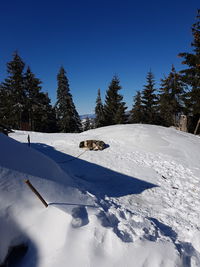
(178, 94)
(23, 105)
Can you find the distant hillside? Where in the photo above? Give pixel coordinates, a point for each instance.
(90, 116)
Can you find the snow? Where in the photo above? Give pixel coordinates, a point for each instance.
(136, 203)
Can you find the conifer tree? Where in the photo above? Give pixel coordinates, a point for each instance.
(68, 118)
(92, 123)
(14, 90)
(149, 101)
(99, 111)
(191, 75)
(22, 105)
(40, 114)
(165, 109)
(44, 115)
(32, 90)
(171, 98)
(4, 106)
(114, 108)
(137, 110)
(86, 126)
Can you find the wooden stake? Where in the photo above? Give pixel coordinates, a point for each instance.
(29, 140)
(36, 192)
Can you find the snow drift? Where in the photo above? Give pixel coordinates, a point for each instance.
(135, 203)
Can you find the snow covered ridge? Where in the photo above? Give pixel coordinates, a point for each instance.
(135, 203)
(90, 116)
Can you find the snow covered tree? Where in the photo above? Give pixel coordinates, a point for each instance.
(22, 104)
(149, 101)
(171, 98)
(191, 75)
(114, 108)
(86, 125)
(67, 116)
(99, 111)
(5, 106)
(137, 110)
(165, 110)
(32, 90)
(13, 88)
(41, 115)
(44, 115)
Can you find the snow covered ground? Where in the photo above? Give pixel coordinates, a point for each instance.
(136, 203)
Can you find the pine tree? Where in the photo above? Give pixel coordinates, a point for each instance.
(99, 111)
(4, 106)
(41, 115)
(32, 90)
(22, 105)
(45, 115)
(165, 109)
(14, 90)
(92, 123)
(171, 98)
(191, 75)
(149, 101)
(137, 115)
(86, 126)
(68, 118)
(114, 108)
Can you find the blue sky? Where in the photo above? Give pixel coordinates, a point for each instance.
(95, 40)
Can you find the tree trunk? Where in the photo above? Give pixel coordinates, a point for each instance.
(196, 129)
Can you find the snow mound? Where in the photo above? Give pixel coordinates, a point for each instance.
(21, 158)
(135, 203)
(23, 218)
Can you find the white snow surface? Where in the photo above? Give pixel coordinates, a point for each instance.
(134, 204)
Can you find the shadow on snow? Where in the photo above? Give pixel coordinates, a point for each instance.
(22, 250)
(70, 204)
(94, 178)
(185, 249)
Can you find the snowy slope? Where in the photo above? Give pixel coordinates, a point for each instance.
(136, 203)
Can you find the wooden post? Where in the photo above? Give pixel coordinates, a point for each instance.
(196, 129)
(36, 192)
(29, 140)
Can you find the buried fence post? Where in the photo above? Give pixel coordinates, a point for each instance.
(36, 192)
(29, 140)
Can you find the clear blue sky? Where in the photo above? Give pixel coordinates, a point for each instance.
(94, 40)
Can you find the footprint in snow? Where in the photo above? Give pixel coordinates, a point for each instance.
(79, 217)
